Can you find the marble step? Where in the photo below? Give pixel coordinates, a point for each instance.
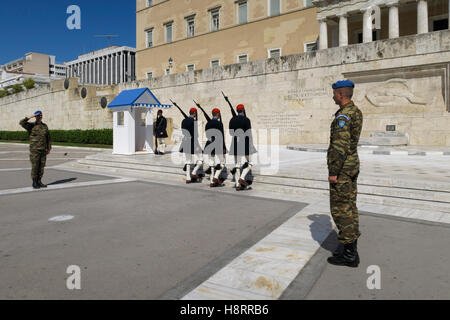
(426, 199)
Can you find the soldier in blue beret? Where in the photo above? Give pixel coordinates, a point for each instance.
(40, 147)
(343, 168)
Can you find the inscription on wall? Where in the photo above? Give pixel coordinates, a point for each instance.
(286, 122)
(305, 94)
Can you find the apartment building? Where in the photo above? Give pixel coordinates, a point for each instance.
(37, 63)
(175, 36)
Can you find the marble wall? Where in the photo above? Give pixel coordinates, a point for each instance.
(402, 82)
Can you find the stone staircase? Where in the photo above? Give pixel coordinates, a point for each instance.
(416, 194)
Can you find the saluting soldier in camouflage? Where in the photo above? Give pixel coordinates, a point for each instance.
(40, 147)
(343, 167)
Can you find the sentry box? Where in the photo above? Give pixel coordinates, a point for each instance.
(133, 121)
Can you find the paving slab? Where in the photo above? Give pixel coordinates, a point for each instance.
(413, 259)
(131, 240)
(22, 179)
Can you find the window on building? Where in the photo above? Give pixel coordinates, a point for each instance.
(120, 118)
(243, 58)
(167, 71)
(274, 7)
(215, 20)
(149, 38)
(190, 27)
(149, 3)
(310, 46)
(190, 67)
(374, 36)
(149, 75)
(440, 24)
(307, 3)
(143, 120)
(274, 53)
(169, 32)
(242, 12)
(215, 63)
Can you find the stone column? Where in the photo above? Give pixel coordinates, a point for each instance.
(107, 69)
(367, 25)
(323, 34)
(343, 30)
(422, 16)
(393, 20)
(92, 71)
(130, 72)
(120, 66)
(97, 71)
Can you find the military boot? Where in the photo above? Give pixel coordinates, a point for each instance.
(339, 249)
(35, 184)
(40, 184)
(349, 256)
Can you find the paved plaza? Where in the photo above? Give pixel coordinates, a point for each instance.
(137, 236)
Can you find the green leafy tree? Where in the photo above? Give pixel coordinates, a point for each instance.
(3, 93)
(29, 83)
(16, 88)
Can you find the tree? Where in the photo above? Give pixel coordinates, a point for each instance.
(29, 83)
(17, 88)
(3, 93)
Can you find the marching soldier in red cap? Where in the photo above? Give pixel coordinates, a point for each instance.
(191, 147)
(241, 147)
(215, 148)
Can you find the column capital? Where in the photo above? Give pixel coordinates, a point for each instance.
(323, 19)
(342, 15)
(392, 4)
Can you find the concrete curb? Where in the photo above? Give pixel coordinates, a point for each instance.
(377, 152)
(57, 147)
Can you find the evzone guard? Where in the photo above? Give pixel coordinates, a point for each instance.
(215, 148)
(190, 146)
(242, 147)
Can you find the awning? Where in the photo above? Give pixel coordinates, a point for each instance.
(137, 98)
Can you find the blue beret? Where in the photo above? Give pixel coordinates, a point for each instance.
(37, 112)
(343, 84)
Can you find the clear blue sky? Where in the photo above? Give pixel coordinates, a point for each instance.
(40, 26)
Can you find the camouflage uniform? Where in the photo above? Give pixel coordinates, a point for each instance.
(343, 162)
(39, 146)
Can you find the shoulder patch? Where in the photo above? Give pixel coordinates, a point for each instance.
(342, 116)
(341, 123)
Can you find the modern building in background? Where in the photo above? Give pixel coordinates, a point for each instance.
(8, 79)
(176, 36)
(38, 64)
(107, 66)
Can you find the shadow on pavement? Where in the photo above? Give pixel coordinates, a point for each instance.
(62, 181)
(322, 231)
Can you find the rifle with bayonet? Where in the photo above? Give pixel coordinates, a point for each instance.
(208, 118)
(182, 112)
(229, 103)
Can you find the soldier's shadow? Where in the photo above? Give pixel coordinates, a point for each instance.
(62, 181)
(323, 232)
